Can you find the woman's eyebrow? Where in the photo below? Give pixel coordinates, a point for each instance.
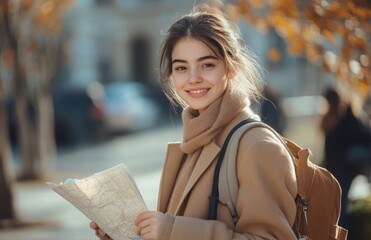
(178, 60)
(206, 57)
(198, 60)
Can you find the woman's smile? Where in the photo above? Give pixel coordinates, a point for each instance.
(197, 93)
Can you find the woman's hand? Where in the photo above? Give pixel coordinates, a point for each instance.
(98, 232)
(148, 225)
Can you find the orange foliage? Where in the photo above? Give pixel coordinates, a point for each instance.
(274, 55)
(314, 53)
(32, 20)
(308, 27)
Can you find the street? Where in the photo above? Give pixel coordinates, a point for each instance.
(57, 219)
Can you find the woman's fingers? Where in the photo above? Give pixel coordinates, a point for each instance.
(99, 232)
(143, 216)
(148, 225)
(93, 225)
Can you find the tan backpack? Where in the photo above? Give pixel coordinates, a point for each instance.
(319, 193)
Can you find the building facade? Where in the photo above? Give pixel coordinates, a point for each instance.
(119, 40)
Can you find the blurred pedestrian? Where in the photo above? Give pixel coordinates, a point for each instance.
(347, 139)
(206, 68)
(271, 111)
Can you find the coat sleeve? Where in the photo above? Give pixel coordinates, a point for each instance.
(266, 173)
(266, 201)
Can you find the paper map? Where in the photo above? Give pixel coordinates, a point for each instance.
(110, 198)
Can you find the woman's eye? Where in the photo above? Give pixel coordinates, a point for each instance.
(208, 65)
(179, 68)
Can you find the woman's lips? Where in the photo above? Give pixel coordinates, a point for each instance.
(196, 93)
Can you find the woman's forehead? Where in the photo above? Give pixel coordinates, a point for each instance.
(191, 48)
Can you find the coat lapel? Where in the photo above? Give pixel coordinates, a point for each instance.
(207, 156)
(173, 161)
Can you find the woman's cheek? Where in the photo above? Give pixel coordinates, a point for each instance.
(178, 83)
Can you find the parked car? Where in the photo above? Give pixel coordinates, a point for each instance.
(79, 112)
(130, 106)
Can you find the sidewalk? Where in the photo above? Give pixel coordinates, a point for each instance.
(143, 153)
(61, 220)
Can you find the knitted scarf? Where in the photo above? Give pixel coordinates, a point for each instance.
(199, 129)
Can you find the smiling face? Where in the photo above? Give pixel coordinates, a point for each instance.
(199, 76)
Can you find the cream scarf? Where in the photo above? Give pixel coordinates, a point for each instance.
(199, 129)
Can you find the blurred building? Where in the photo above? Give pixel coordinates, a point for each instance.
(116, 40)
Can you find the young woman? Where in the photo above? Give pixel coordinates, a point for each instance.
(206, 68)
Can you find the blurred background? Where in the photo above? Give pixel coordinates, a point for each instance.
(79, 93)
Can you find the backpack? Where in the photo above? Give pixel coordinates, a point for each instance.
(319, 193)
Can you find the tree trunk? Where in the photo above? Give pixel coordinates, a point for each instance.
(26, 123)
(20, 96)
(36, 126)
(47, 140)
(7, 172)
(46, 136)
(7, 208)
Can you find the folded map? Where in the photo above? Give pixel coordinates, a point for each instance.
(110, 198)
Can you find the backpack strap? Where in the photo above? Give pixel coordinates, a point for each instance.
(214, 198)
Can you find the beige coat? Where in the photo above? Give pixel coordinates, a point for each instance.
(266, 201)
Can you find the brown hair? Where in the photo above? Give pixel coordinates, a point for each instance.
(223, 37)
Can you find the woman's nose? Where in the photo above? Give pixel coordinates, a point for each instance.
(194, 76)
